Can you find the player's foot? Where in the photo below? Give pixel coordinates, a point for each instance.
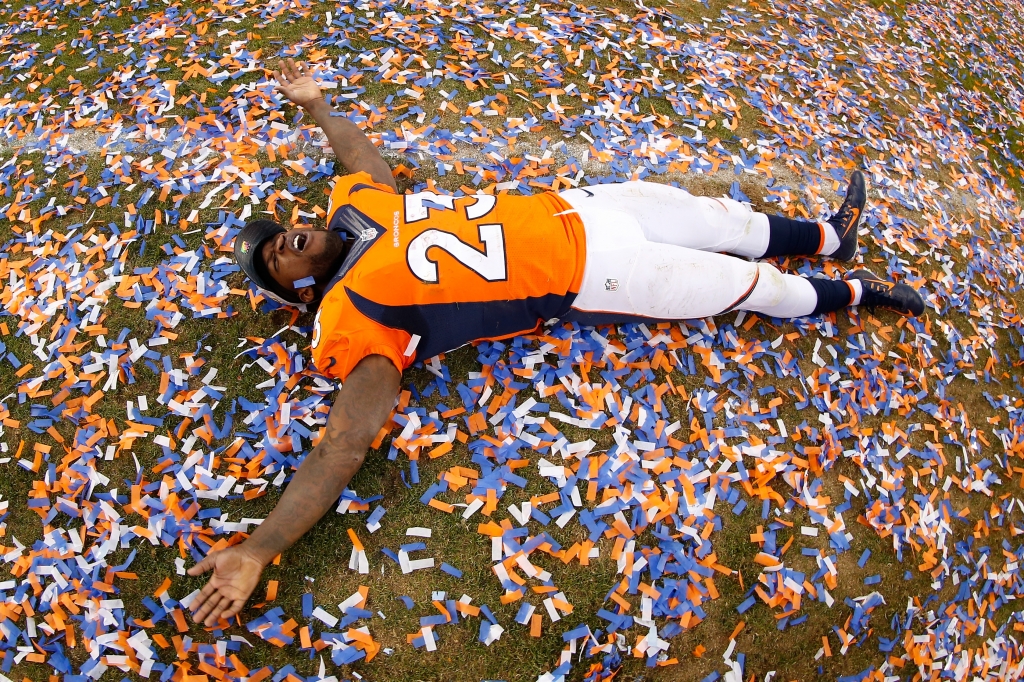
(847, 218)
(878, 293)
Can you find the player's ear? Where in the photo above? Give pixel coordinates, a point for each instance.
(306, 294)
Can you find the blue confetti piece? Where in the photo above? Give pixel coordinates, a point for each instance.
(451, 570)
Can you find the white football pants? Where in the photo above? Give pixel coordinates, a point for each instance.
(653, 252)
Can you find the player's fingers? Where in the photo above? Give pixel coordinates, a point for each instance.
(228, 608)
(282, 76)
(211, 617)
(221, 615)
(200, 605)
(233, 609)
(204, 610)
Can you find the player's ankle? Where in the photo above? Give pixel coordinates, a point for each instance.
(858, 290)
(830, 240)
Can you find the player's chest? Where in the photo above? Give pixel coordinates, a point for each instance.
(433, 239)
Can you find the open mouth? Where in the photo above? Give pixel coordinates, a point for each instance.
(299, 242)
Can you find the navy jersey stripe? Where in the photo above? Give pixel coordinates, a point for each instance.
(362, 185)
(446, 326)
(351, 223)
(597, 318)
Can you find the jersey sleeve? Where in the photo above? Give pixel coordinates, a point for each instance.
(347, 185)
(337, 354)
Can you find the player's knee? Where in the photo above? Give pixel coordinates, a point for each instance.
(771, 285)
(734, 207)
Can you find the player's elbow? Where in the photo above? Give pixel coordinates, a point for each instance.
(343, 456)
(354, 458)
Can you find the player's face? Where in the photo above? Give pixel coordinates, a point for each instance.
(301, 253)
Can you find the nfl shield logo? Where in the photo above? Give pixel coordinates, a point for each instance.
(368, 235)
(611, 284)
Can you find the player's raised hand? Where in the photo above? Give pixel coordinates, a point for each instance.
(295, 82)
(235, 574)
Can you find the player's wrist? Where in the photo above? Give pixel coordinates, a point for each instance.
(259, 551)
(316, 105)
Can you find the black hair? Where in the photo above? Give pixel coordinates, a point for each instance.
(261, 267)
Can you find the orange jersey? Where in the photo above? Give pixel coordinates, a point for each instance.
(428, 273)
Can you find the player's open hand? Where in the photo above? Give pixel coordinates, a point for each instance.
(236, 572)
(295, 82)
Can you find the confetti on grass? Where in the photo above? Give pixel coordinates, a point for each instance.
(871, 427)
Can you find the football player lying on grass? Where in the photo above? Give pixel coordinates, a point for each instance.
(400, 278)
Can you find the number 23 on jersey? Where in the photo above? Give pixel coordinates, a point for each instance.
(489, 263)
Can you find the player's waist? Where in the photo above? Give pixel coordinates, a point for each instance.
(444, 326)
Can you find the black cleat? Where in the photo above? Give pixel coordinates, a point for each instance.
(846, 220)
(878, 293)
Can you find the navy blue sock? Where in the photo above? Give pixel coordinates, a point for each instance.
(833, 294)
(788, 237)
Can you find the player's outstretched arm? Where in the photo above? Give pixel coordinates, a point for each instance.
(362, 405)
(350, 144)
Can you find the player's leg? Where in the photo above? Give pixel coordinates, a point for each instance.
(658, 282)
(666, 282)
(836, 237)
(779, 294)
(670, 215)
(627, 276)
(782, 295)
